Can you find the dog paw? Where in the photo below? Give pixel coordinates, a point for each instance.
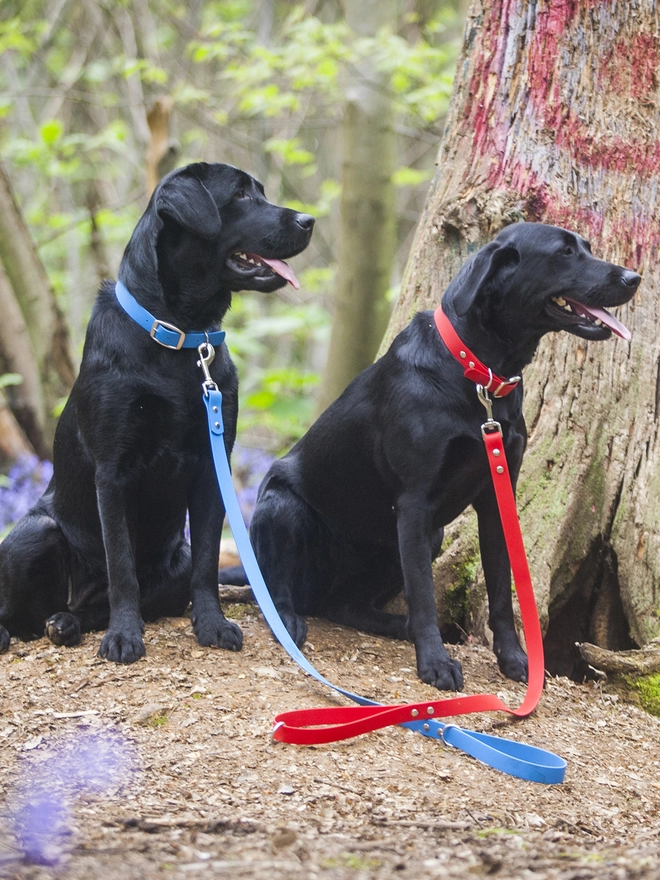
(296, 627)
(5, 638)
(63, 629)
(513, 663)
(120, 647)
(440, 670)
(220, 633)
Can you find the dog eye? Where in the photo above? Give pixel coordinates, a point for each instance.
(240, 194)
(567, 251)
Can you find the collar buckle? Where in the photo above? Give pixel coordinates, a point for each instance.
(157, 325)
(504, 387)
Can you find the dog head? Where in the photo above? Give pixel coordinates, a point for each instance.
(209, 230)
(534, 278)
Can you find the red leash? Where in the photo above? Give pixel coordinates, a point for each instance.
(329, 724)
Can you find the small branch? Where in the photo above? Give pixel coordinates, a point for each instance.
(638, 662)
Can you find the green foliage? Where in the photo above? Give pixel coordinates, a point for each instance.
(7, 379)
(457, 594)
(70, 93)
(277, 391)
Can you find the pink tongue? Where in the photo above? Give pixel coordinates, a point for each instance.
(609, 320)
(283, 269)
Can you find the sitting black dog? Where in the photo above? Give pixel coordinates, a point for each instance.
(355, 512)
(104, 547)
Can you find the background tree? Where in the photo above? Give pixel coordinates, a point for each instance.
(367, 233)
(554, 118)
(97, 99)
(33, 338)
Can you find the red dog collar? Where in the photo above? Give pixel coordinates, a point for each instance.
(474, 369)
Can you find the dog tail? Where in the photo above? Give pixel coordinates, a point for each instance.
(233, 577)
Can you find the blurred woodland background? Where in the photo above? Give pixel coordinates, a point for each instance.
(99, 99)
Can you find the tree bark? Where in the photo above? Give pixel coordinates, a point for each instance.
(367, 217)
(554, 118)
(35, 310)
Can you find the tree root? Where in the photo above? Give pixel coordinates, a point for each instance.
(641, 661)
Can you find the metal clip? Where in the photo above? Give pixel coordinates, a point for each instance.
(206, 355)
(490, 426)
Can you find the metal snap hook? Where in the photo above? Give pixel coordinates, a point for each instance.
(206, 355)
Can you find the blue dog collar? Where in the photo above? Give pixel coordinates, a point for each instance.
(165, 334)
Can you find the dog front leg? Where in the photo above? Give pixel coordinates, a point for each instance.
(207, 512)
(434, 665)
(511, 658)
(123, 642)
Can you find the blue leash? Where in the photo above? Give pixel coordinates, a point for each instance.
(514, 758)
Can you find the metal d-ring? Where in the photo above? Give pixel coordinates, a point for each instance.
(442, 733)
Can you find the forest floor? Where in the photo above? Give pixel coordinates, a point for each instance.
(166, 768)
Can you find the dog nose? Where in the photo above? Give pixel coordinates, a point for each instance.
(630, 279)
(306, 221)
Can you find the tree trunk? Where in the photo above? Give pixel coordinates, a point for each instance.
(554, 118)
(13, 442)
(367, 215)
(25, 400)
(49, 369)
(162, 150)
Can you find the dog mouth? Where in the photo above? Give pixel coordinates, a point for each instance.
(248, 265)
(595, 322)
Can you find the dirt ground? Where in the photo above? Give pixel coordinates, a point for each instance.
(166, 768)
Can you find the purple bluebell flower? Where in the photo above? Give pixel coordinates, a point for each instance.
(249, 467)
(80, 764)
(22, 487)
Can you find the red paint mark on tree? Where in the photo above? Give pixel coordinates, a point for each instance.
(627, 68)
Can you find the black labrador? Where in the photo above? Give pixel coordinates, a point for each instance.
(355, 511)
(104, 548)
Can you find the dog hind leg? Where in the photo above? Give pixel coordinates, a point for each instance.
(369, 577)
(292, 547)
(165, 587)
(34, 577)
(368, 619)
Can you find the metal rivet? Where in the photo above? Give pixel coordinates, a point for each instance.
(462, 354)
(471, 365)
(497, 451)
(430, 710)
(217, 424)
(414, 713)
(215, 409)
(426, 727)
(499, 469)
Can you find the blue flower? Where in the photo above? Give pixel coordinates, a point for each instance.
(22, 487)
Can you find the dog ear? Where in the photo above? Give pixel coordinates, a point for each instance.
(490, 267)
(184, 199)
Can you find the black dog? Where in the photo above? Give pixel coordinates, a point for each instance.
(355, 512)
(104, 547)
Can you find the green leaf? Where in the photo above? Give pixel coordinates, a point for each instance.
(411, 176)
(7, 379)
(51, 132)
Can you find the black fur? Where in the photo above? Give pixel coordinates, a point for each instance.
(104, 547)
(355, 512)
